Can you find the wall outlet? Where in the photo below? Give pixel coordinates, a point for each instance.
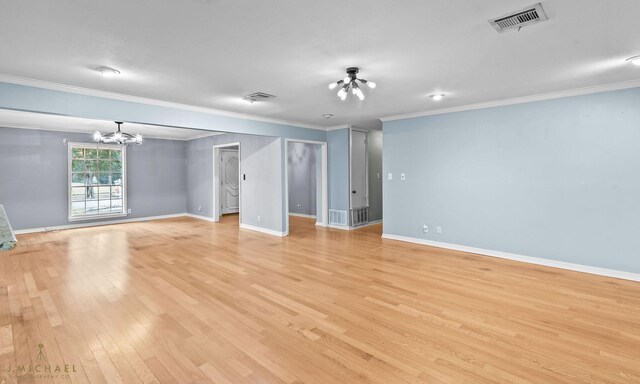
(200, 208)
(259, 218)
(129, 210)
(403, 176)
(299, 205)
(378, 175)
(425, 228)
(389, 176)
(438, 229)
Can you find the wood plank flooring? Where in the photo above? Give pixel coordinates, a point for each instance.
(188, 301)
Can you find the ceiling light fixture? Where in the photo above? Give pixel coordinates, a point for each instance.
(350, 82)
(117, 137)
(635, 60)
(107, 71)
(437, 96)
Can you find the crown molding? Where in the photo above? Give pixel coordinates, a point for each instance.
(4, 78)
(336, 127)
(521, 100)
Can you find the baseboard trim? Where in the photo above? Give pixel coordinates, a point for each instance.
(302, 215)
(525, 259)
(263, 230)
(340, 227)
(351, 228)
(368, 224)
(96, 224)
(200, 217)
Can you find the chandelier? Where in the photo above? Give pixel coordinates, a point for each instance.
(117, 137)
(350, 82)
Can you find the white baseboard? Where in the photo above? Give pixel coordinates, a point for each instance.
(200, 217)
(302, 215)
(263, 230)
(368, 224)
(350, 228)
(526, 259)
(341, 227)
(96, 224)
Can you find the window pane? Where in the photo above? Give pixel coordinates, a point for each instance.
(116, 178)
(77, 208)
(104, 166)
(90, 153)
(77, 165)
(92, 193)
(91, 179)
(116, 206)
(77, 153)
(116, 154)
(77, 179)
(116, 192)
(92, 165)
(92, 207)
(116, 166)
(104, 193)
(105, 206)
(103, 154)
(104, 178)
(78, 194)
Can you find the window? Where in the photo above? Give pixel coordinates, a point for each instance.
(97, 181)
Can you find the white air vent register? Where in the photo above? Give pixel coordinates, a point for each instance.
(516, 20)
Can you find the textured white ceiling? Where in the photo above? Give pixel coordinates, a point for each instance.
(211, 53)
(27, 120)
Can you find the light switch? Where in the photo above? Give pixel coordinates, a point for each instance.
(389, 176)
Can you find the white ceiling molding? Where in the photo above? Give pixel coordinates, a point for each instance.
(4, 78)
(336, 127)
(56, 123)
(520, 100)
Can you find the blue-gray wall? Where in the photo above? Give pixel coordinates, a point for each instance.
(261, 194)
(301, 162)
(34, 177)
(557, 179)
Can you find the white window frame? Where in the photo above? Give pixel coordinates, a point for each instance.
(125, 210)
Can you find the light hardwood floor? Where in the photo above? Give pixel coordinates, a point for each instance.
(186, 301)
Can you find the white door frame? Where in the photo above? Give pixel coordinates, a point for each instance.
(324, 206)
(216, 179)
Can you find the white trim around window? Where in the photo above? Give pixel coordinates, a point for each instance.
(98, 184)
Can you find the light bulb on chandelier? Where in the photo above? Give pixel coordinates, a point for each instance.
(117, 137)
(349, 83)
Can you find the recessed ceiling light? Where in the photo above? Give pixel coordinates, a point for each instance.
(437, 96)
(635, 60)
(327, 115)
(108, 72)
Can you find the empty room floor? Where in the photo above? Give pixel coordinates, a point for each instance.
(183, 300)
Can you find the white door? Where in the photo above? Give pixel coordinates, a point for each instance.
(359, 180)
(229, 181)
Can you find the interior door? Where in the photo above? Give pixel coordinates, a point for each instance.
(359, 180)
(229, 181)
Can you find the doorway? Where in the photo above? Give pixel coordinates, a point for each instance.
(306, 185)
(227, 188)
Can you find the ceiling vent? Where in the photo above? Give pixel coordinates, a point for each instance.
(258, 96)
(516, 20)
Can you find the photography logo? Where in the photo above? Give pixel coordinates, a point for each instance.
(41, 355)
(40, 368)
